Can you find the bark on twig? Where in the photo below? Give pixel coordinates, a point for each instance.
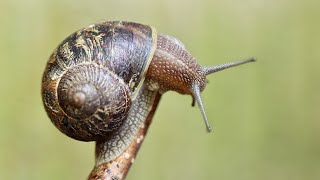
(117, 169)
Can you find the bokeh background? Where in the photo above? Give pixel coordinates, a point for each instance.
(265, 115)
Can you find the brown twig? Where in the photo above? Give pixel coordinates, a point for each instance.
(117, 169)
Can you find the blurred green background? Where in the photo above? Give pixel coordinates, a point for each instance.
(266, 115)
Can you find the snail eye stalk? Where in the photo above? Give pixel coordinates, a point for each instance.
(216, 68)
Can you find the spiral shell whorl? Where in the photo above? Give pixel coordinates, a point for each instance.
(95, 96)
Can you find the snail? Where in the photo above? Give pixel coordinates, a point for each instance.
(99, 84)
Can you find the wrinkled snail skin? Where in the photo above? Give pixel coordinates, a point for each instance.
(171, 68)
(168, 70)
(118, 142)
(101, 82)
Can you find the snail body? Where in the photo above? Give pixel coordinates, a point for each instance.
(100, 82)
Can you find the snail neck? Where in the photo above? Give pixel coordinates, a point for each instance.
(174, 68)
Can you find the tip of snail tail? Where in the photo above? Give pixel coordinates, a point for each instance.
(198, 99)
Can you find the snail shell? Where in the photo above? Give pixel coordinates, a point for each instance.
(94, 75)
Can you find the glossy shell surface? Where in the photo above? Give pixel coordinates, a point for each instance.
(84, 64)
